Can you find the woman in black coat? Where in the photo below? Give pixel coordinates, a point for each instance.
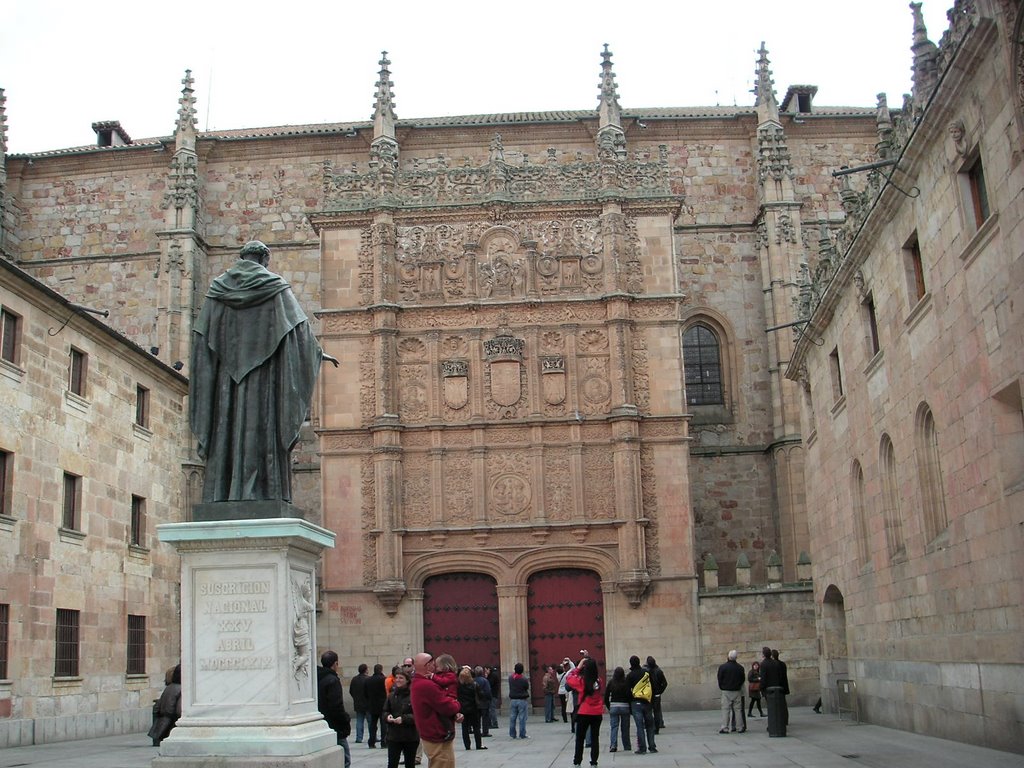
(402, 735)
(468, 695)
(167, 709)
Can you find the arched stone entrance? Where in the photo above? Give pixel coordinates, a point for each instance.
(834, 651)
(565, 613)
(460, 617)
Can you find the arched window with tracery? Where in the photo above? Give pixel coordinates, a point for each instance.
(929, 472)
(702, 361)
(891, 499)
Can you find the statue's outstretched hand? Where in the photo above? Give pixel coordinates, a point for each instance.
(331, 359)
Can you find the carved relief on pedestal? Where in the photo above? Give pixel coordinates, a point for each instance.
(431, 263)
(558, 501)
(509, 487)
(593, 370)
(570, 257)
(598, 483)
(416, 490)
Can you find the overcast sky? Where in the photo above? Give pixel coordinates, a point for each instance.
(65, 64)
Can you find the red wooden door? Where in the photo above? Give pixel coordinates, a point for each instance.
(565, 610)
(460, 617)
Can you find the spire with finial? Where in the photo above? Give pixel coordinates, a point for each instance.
(764, 89)
(186, 106)
(608, 106)
(925, 54)
(883, 125)
(384, 104)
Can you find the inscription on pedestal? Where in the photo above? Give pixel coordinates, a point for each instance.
(235, 641)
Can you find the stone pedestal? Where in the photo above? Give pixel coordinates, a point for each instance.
(248, 645)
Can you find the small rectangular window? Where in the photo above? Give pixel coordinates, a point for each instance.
(5, 622)
(914, 268)
(72, 509)
(77, 373)
(6, 482)
(138, 525)
(136, 645)
(837, 374)
(978, 192)
(10, 342)
(66, 649)
(141, 406)
(870, 325)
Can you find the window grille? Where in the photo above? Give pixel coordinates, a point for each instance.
(136, 645)
(66, 648)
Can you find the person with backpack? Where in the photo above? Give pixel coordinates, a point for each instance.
(639, 680)
(658, 683)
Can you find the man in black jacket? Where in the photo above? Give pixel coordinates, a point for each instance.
(331, 701)
(376, 695)
(357, 690)
(774, 685)
(731, 677)
(658, 685)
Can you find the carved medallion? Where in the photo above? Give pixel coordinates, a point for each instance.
(510, 494)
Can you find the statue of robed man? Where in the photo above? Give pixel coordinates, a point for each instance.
(253, 367)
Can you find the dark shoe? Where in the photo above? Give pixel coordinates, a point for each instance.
(481, 747)
(485, 736)
(613, 749)
(723, 730)
(640, 752)
(742, 730)
(653, 750)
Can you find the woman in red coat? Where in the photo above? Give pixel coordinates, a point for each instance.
(590, 709)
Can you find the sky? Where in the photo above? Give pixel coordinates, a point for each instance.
(65, 64)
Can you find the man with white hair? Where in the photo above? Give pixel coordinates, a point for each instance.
(730, 681)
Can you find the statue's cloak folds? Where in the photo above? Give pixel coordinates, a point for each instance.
(254, 365)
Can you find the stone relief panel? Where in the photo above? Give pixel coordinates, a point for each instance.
(641, 378)
(369, 520)
(450, 263)
(458, 488)
(558, 503)
(509, 487)
(413, 385)
(416, 489)
(365, 262)
(598, 483)
(505, 376)
(367, 379)
(649, 496)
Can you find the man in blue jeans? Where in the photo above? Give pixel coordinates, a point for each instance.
(518, 701)
(641, 710)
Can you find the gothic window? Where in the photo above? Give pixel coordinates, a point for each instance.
(860, 521)
(836, 373)
(702, 361)
(930, 474)
(891, 500)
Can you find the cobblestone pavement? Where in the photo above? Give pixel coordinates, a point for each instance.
(690, 740)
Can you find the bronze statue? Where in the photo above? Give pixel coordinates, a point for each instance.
(254, 364)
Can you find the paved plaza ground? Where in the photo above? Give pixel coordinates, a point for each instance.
(690, 740)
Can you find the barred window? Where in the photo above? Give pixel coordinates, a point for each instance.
(136, 645)
(6, 484)
(702, 362)
(66, 649)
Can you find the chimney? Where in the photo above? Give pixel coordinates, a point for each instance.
(109, 133)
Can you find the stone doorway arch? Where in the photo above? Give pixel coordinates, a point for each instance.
(835, 663)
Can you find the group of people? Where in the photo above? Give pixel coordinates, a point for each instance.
(769, 677)
(417, 708)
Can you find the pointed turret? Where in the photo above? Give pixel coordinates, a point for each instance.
(925, 53)
(608, 98)
(611, 139)
(185, 128)
(384, 104)
(883, 125)
(764, 90)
